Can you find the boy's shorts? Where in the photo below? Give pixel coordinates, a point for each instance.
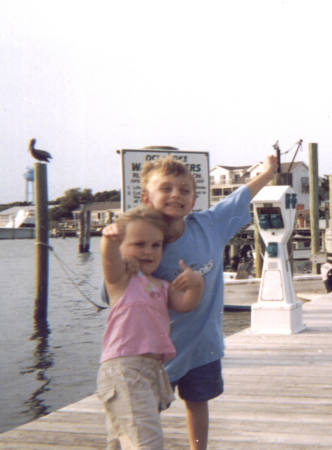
(133, 390)
(201, 383)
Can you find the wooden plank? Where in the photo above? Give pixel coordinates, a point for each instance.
(278, 394)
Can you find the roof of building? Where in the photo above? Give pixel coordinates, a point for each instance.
(102, 206)
(285, 166)
(231, 167)
(14, 209)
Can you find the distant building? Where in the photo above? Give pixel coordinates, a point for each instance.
(102, 213)
(225, 179)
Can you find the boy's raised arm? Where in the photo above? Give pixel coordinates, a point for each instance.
(257, 183)
(186, 290)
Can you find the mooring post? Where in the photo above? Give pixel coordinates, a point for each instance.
(41, 260)
(328, 231)
(314, 203)
(330, 201)
(87, 227)
(258, 252)
(84, 230)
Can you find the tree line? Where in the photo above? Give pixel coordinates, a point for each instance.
(63, 207)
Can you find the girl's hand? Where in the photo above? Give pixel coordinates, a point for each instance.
(115, 234)
(131, 266)
(112, 232)
(186, 291)
(187, 279)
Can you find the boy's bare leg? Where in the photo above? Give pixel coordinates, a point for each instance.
(197, 424)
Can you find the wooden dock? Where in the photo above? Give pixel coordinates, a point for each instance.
(278, 395)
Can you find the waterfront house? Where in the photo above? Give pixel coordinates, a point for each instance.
(102, 213)
(225, 179)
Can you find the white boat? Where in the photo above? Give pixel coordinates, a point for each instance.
(17, 222)
(301, 247)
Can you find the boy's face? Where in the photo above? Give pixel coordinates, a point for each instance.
(173, 195)
(144, 243)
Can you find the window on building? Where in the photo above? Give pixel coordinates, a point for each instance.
(304, 185)
(216, 192)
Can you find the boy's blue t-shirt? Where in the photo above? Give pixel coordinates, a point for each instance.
(197, 335)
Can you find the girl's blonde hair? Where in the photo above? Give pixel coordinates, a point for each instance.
(166, 166)
(146, 214)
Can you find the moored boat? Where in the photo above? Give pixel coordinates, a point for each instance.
(17, 222)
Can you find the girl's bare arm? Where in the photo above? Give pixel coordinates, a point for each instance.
(113, 266)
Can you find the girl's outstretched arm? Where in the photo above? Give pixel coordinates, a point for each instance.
(113, 266)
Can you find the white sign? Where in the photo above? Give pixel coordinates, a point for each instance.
(133, 160)
(318, 258)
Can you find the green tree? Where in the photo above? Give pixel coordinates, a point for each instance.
(71, 200)
(74, 197)
(107, 196)
(323, 195)
(323, 191)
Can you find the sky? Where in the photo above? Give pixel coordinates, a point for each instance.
(89, 77)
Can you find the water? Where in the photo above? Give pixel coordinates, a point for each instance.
(43, 371)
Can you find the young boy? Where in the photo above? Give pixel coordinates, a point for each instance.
(199, 239)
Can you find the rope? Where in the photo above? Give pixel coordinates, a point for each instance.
(291, 148)
(68, 269)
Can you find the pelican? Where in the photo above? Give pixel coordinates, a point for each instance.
(276, 146)
(41, 155)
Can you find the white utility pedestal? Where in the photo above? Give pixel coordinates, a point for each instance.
(277, 310)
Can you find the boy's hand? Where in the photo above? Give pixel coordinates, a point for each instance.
(187, 279)
(259, 181)
(270, 164)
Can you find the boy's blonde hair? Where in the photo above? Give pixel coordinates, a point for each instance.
(146, 214)
(166, 166)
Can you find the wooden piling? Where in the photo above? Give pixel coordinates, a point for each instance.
(258, 252)
(84, 230)
(281, 179)
(41, 252)
(330, 201)
(314, 203)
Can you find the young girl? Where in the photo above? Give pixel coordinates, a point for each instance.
(132, 382)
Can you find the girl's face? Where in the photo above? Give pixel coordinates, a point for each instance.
(173, 195)
(144, 243)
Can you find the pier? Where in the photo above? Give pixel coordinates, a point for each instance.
(278, 395)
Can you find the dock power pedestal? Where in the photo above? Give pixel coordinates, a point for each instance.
(277, 310)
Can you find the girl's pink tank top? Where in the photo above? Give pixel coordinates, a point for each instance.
(139, 322)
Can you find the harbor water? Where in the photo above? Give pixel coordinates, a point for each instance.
(43, 371)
